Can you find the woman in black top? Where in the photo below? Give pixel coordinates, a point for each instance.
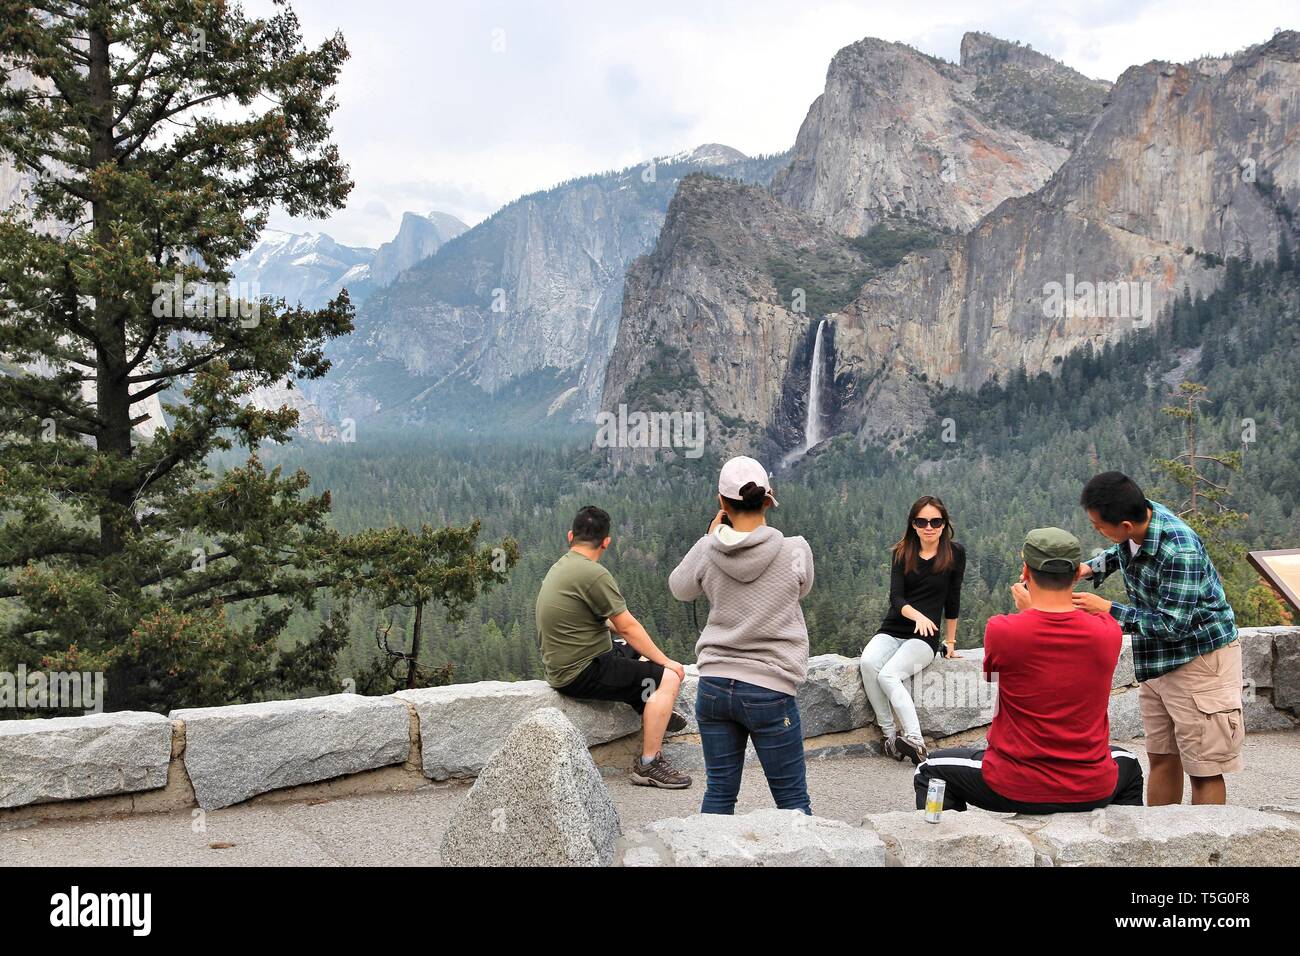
(924, 586)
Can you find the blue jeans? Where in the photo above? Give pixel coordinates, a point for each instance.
(730, 712)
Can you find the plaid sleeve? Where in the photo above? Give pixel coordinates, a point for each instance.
(1175, 603)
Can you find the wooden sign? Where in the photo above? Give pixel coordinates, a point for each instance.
(1282, 570)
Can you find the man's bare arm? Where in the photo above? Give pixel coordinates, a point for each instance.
(630, 629)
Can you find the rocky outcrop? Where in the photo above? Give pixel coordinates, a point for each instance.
(312, 267)
(70, 758)
(313, 424)
(1187, 165)
(969, 838)
(540, 801)
(716, 319)
(462, 725)
(535, 287)
(1162, 836)
(1286, 670)
(1169, 172)
(760, 838)
(1031, 92)
(233, 753)
(418, 237)
(899, 134)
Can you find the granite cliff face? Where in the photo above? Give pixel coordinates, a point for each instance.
(1185, 166)
(1029, 91)
(898, 134)
(417, 238)
(707, 327)
(534, 289)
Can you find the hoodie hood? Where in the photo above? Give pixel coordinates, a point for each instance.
(748, 558)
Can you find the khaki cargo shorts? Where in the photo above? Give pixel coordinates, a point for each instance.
(1195, 712)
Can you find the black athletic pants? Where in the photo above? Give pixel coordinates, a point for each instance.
(961, 769)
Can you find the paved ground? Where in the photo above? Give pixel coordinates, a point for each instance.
(404, 829)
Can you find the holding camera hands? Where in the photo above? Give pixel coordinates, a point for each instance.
(719, 518)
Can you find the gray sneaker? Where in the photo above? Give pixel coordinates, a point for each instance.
(675, 723)
(658, 773)
(891, 747)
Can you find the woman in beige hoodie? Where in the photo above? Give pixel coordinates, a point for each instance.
(753, 652)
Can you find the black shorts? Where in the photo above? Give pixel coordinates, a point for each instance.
(618, 674)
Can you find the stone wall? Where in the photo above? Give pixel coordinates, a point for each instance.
(541, 800)
(217, 756)
(1114, 836)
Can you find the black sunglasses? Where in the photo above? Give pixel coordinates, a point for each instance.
(927, 522)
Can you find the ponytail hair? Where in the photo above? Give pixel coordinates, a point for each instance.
(751, 498)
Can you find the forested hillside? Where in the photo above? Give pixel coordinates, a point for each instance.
(1016, 457)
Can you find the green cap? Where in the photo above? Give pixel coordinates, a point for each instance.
(1052, 550)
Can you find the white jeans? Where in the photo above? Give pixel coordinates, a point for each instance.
(887, 662)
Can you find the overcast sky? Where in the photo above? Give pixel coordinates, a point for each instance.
(463, 106)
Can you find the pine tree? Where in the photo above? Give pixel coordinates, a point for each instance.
(155, 136)
(397, 567)
(1205, 510)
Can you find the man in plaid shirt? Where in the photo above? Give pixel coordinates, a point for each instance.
(1185, 648)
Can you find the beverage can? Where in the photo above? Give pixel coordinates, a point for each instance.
(934, 801)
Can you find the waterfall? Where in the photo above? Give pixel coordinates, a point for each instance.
(812, 429)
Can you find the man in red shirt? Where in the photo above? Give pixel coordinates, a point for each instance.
(1049, 746)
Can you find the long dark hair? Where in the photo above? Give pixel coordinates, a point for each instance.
(908, 548)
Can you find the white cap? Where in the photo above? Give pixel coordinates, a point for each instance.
(740, 471)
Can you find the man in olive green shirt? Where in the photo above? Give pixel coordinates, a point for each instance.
(578, 604)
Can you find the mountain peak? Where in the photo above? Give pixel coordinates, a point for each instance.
(418, 237)
(306, 267)
(984, 54)
(708, 154)
(900, 134)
